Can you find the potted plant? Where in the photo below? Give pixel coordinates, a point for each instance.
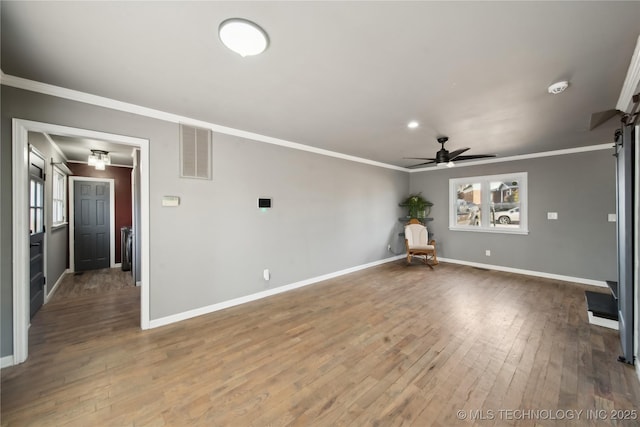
(418, 206)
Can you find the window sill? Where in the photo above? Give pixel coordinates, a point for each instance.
(55, 227)
(490, 230)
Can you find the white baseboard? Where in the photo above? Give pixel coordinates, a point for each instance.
(248, 298)
(6, 361)
(601, 321)
(582, 280)
(117, 265)
(48, 296)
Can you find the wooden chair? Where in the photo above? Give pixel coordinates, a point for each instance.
(416, 239)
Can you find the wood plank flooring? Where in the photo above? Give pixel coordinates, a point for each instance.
(390, 345)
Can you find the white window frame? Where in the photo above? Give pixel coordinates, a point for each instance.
(485, 206)
(55, 222)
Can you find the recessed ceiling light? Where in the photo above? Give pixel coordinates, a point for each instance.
(413, 124)
(558, 87)
(243, 37)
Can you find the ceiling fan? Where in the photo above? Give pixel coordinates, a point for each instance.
(445, 158)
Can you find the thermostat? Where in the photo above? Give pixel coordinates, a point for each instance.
(264, 203)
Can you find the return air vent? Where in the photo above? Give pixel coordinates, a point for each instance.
(195, 152)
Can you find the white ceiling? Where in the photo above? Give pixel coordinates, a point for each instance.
(346, 76)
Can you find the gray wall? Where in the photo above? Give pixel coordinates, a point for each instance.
(328, 214)
(57, 239)
(6, 292)
(581, 243)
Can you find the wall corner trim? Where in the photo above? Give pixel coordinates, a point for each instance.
(163, 321)
(581, 280)
(631, 81)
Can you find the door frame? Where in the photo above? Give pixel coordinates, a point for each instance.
(20, 210)
(112, 219)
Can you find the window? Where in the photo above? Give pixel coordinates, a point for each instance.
(59, 204)
(496, 203)
(36, 206)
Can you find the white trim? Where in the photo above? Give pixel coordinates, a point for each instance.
(55, 147)
(117, 265)
(47, 297)
(20, 209)
(264, 294)
(562, 152)
(599, 283)
(47, 89)
(6, 361)
(112, 219)
(602, 321)
(631, 81)
(20, 241)
(74, 95)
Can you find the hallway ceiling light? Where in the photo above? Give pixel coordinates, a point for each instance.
(99, 159)
(243, 37)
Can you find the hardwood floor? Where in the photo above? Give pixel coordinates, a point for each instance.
(390, 345)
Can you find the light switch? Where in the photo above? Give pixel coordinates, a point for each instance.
(552, 215)
(611, 218)
(170, 201)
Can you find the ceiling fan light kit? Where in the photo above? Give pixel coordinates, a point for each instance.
(558, 87)
(243, 36)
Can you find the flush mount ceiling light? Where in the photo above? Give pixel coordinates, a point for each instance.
(558, 87)
(99, 159)
(243, 37)
(413, 124)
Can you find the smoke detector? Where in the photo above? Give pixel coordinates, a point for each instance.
(558, 87)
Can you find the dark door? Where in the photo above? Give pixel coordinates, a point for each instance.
(36, 232)
(91, 224)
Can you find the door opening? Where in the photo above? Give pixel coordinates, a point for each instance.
(21, 206)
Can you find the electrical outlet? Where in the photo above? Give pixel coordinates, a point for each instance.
(389, 247)
(266, 274)
(487, 252)
(552, 215)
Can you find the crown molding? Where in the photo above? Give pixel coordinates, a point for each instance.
(631, 82)
(74, 95)
(522, 157)
(100, 101)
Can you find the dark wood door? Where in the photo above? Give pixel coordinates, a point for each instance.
(36, 232)
(92, 225)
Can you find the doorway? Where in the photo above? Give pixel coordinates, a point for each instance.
(20, 216)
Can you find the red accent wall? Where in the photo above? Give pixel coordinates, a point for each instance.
(122, 180)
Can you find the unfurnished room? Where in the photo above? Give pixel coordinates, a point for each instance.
(319, 213)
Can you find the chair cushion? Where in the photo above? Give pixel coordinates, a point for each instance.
(421, 247)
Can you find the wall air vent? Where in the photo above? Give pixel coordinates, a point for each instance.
(195, 152)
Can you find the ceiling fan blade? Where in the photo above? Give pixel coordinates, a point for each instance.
(421, 164)
(454, 154)
(601, 117)
(418, 158)
(475, 156)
